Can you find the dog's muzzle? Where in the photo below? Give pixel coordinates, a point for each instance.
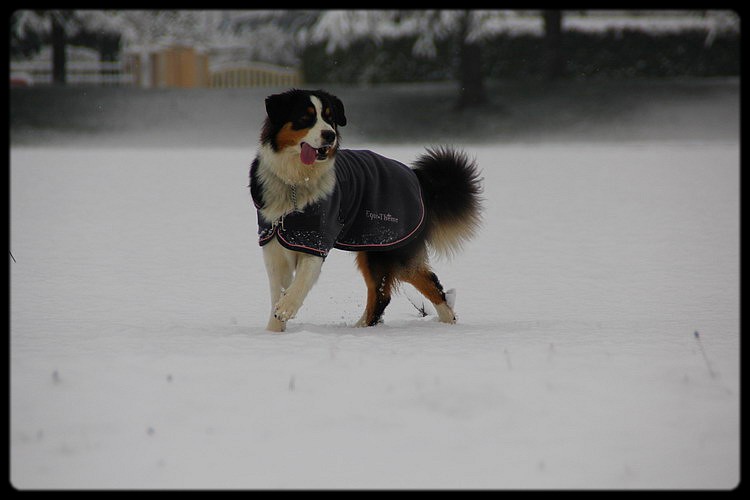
(322, 152)
(309, 154)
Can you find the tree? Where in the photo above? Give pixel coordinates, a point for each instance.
(273, 36)
(466, 29)
(46, 25)
(30, 29)
(553, 43)
(149, 28)
(59, 40)
(471, 88)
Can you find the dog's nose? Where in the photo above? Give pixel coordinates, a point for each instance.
(328, 136)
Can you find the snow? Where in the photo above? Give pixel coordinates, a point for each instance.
(139, 357)
(339, 28)
(653, 22)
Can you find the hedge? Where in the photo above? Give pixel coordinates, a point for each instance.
(587, 55)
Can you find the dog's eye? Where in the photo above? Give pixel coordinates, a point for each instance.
(305, 120)
(328, 117)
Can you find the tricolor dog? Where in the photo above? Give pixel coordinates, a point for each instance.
(312, 196)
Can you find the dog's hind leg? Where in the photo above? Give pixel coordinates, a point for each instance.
(379, 280)
(428, 284)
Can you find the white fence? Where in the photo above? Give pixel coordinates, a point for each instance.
(117, 74)
(255, 76)
(90, 72)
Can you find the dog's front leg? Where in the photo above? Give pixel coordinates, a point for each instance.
(280, 264)
(306, 273)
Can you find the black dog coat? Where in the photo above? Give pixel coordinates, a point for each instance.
(376, 205)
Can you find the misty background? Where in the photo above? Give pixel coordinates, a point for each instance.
(169, 78)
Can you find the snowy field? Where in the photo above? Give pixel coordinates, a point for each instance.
(139, 359)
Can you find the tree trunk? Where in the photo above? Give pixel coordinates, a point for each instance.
(555, 65)
(472, 91)
(58, 52)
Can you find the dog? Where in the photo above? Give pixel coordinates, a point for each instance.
(312, 196)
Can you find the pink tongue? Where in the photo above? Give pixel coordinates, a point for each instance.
(308, 154)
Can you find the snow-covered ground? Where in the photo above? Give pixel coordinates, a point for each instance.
(139, 359)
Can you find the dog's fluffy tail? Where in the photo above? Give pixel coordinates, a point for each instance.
(451, 189)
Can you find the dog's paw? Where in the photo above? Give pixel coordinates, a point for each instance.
(445, 313)
(365, 322)
(276, 326)
(361, 323)
(286, 308)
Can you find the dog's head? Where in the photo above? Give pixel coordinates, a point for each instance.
(304, 123)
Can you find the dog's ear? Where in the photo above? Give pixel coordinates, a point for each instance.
(339, 117)
(338, 111)
(278, 107)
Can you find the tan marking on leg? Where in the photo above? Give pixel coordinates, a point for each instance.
(379, 289)
(424, 280)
